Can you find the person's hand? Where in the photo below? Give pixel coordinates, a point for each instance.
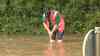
(50, 34)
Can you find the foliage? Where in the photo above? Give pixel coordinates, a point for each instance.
(24, 15)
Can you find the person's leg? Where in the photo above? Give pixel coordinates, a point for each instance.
(53, 38)
(60, 36)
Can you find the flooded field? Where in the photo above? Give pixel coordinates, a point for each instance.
(25, 45)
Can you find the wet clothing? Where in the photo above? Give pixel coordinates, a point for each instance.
(58, 20)
(57, 35)
(54, 20)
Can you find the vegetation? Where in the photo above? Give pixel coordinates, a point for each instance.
(23, 16)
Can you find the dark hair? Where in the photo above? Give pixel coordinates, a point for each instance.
(48, 14)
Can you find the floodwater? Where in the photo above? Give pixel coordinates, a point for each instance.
(24, 45)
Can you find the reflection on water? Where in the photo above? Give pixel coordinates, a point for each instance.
(38, 46)
(55, 49)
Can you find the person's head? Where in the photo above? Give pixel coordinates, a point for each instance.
(48, 13)
(52, 10)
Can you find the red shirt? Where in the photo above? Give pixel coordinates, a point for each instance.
(53, 21)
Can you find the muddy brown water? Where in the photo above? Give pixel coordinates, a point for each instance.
(14, 45)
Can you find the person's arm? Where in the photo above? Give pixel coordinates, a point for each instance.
(46, 27)
(55, 25)
(48, 30)
(54, 28)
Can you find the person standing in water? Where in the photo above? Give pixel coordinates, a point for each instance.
(53, 22)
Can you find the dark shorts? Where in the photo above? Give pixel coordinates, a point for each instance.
(57, 35)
